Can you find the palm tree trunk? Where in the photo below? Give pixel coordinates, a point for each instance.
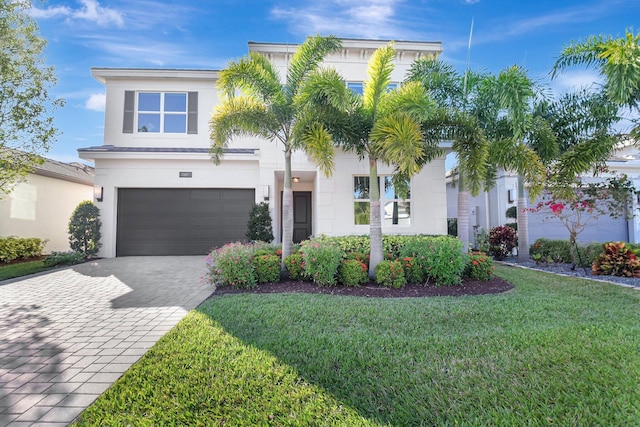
(375, 221)
(463, 215)
(287, 208)
(523, 222)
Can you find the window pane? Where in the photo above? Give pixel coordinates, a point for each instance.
(175, 102)
(175, 123)
(360, 187)
(356, 87)
(397, 213)
(148, 122)
(148, 102)
(361, 213)
(390, 191)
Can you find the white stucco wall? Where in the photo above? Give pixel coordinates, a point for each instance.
(41, 207)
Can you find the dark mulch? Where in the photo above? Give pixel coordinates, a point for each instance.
(468, 287)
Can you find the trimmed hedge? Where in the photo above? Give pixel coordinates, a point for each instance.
(12, 248)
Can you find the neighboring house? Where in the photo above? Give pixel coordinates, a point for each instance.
(488, 209)
(41, 206)
(162, 195)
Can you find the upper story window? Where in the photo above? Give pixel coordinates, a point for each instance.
(162, 112)
(358, 87)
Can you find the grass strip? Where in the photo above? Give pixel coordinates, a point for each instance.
(10, 271)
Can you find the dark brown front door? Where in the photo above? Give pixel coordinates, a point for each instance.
(302, 217)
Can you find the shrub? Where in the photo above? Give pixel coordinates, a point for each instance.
(551, 250)
(63, 258)
(502, 241)
(259, 225)
(12, 248)
(482, 241)
(616, 260)
(412, 270)
(390, 274)
(267, 268)
(589, 253)
(512, 212)
(439, 257)
(479, 266)
(360, 257)
(321, 261)
(231, 265)
(513, 225)
(84, 229)
(295, 266)
(353, 272)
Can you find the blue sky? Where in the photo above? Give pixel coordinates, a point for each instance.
(206, 34)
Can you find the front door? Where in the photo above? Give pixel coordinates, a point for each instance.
(301, 215)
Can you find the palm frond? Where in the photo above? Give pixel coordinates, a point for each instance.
(379, 77)
(586, 52)
(255, 75)
(306, 59)
(239, 116)
(411, 98)
(515, 155)
(318, 145)
(440, 79)
(397, 139)
(324, 86)
(514, 91)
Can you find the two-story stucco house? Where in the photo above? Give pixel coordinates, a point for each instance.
(162, 194)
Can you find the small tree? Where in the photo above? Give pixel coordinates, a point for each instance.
(84, 229)
(259, 226)
(577, 209)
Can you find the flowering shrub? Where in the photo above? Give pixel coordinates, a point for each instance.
(321, 261)
(502, 240)
(267, 268)
(579, 207)
(439, 257)
(412, 270)
(295, 266)
(479, 266)
(353, 272)
(390, 274)
(231, 265)
(617, 259)
(360, 257)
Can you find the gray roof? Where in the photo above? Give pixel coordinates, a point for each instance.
(114, 149)
(73, 172)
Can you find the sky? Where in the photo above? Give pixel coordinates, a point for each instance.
(207, 34)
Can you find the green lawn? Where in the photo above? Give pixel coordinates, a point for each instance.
(10, 271)
(553, 351)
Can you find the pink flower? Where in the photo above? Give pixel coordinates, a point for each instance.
(556, 208)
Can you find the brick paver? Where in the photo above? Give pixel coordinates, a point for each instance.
(67, 335)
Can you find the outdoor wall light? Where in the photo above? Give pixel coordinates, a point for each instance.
(97, 193)
(265, 192)
(510, 197)
(296, 179)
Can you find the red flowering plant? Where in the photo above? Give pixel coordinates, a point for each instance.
(582, 204)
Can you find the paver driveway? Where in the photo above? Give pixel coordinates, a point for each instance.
(67, 335)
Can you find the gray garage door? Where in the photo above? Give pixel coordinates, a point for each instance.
(168, 221)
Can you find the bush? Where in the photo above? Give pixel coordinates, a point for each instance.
(321, 261)
(360, 257)
(512, 212)
(295, 266)
(479, 266)
(63, 258)
(267, 268)
(412, 270)
(482, 241)
(353, 272)
(502, 241)
(513, 225)
(259, 225)
(439, 257)
(390, 274)
(616, 260)
(84, 229)
(12, 248)
(231, 265)
(547, 250)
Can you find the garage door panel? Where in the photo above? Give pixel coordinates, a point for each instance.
(180, 221)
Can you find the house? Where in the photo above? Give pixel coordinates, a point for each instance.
(488, 209)
(41, 206)
(162, 195)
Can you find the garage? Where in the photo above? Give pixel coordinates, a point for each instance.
(179, 221)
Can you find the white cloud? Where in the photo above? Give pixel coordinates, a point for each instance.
(89, 10)
(96, 102)
(578, 79)
(348, 18)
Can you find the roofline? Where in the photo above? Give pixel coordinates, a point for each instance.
(63, 177)
(103, 74)
(348, 43)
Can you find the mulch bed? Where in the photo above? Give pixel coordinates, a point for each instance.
(468, 287)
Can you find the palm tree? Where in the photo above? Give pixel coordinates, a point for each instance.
(268, 108)
(382, 125)
(617, 59)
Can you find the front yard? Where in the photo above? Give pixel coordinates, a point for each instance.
(553, 350)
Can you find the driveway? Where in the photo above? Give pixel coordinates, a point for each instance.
(67, 335)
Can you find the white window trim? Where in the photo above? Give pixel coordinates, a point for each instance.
(162, 114)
